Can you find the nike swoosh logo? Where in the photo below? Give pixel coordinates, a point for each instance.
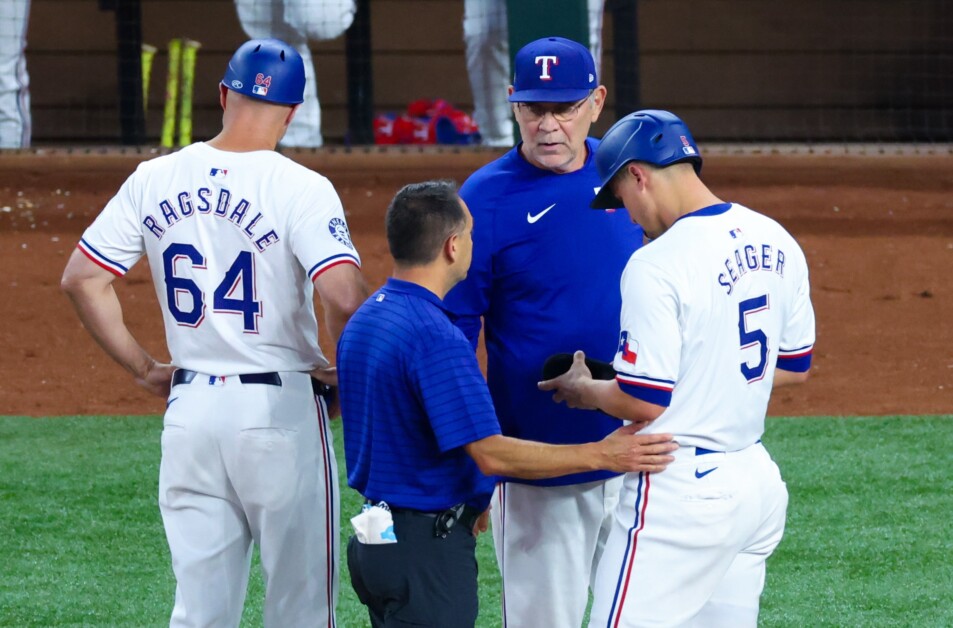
(530, 218)
(701, 474)
(169, 402)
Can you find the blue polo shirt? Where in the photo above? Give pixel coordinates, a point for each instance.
(412, 396)
(545, 279)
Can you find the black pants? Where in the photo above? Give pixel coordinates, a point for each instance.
(421, 580)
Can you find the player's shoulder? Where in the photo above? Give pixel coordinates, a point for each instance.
(762, 222)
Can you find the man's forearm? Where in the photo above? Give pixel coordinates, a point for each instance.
(101, 314)
(606, 395)
(621, 451)
(512, 457)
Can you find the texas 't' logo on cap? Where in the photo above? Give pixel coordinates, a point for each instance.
(546, 61)
(553, 69)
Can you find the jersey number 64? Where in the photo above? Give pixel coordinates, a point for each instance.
(241, 274)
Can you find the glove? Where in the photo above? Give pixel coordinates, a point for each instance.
(559, 363)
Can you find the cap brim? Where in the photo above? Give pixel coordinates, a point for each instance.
(549, 95)
(605, 199)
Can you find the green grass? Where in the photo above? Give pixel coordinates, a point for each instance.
(868, 540)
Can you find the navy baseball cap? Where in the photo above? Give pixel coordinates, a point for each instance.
(553, 69)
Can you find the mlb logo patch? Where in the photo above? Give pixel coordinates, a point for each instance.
(218, 173)
(735, 233)
(260, 90)
(628, 348)
(687, 147)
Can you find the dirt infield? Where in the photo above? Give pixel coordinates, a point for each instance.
(877, 231)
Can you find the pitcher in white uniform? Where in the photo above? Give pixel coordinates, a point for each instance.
(724, 315)
(237, 238)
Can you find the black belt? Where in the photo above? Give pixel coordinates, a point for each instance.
(185, 376)
(444, 520)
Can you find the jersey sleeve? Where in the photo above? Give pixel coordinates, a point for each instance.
(320, 236)
(114, 241)
(470, 299)
(650, 344)
(796, 345)
(454, 393)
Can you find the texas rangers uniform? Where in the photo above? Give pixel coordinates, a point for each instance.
(544, 278)
(234, 241)
(709, 310)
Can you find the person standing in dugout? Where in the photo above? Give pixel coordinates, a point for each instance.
(421, 436)
(238, 238)
(545, 280)
(716, 313)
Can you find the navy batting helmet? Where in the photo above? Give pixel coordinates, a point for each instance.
(654, 136)
(267, 69)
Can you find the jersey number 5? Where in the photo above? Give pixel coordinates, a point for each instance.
(240, 274)
(753, 337)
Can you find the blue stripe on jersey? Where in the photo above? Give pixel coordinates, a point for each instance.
(796, 360)
(711, 210)
(102, 258)
(331, 261)
(796, 364)
(646, 391)
(412, 395)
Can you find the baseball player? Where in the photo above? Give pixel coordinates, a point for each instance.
(237, 238)
(298, 22)
(15, 121)
(716, 311)
(545, 279)
(487, 41)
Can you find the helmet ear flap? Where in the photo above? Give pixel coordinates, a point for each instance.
(267, 69)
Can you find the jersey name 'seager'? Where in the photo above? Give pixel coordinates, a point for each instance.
(751, 258)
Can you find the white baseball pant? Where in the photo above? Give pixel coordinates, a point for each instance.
(688, 545)
(245, 463)
(548, 543)
(15, 118)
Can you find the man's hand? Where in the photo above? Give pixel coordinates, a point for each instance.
(326, 375)
(626, 451)
(571, 386)
(482, 524)
(158, 379)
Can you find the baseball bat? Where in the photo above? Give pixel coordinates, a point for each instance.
(171, 93)
(189, 56)
(148, 54)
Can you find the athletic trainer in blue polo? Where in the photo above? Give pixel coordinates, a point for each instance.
(421, 437)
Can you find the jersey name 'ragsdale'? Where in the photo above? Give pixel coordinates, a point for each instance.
(234, 241)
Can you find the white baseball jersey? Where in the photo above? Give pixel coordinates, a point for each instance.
(708, 311)
(247, 307)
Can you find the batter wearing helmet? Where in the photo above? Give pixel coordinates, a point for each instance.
(716, 312)
(237, 238)
(544, 279)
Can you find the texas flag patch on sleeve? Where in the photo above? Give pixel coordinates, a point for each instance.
(628, 347)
